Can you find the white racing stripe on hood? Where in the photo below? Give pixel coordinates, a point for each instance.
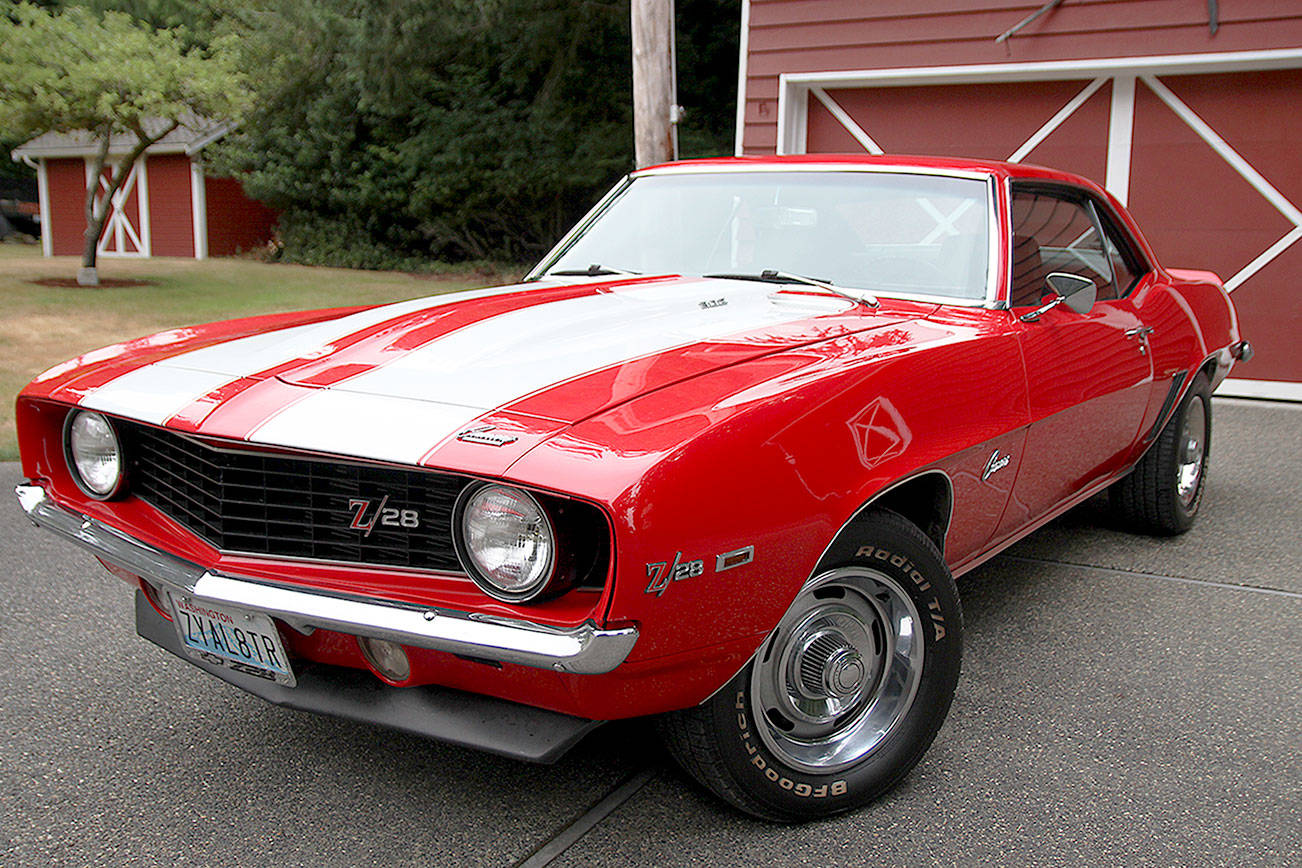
(159, 391)
(435, 391)
(153, 393)
(368, 426)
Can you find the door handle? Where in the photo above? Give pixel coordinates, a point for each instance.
(1141, 332)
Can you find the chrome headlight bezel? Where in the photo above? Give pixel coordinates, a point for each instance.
(71, 458)
(482, 573)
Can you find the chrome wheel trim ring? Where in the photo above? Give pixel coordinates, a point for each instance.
(1192, 449)
(840, 671)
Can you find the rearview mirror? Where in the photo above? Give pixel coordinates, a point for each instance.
(1076, 291)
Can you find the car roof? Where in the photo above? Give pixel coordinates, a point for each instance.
(833, 162)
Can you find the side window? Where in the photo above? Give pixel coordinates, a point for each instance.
(1055, 233)
(1127, 266)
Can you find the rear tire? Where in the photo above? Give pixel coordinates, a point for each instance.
(1162, 494)
(848, 691)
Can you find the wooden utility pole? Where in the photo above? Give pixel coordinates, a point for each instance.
(655, 96)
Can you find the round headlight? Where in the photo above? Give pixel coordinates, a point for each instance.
(94, 454)
(508, 541)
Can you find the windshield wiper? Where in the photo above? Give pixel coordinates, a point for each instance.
(593, 270)
(867, 299)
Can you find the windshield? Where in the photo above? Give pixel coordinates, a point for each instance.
(891, 233)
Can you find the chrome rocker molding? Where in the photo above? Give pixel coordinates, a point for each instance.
(585, 649)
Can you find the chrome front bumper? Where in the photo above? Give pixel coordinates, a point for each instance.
(586, 649)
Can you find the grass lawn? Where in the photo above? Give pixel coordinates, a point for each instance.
(41, 326)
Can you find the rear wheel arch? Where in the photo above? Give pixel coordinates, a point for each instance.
(1209, 369)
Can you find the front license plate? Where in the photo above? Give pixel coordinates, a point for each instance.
(245, 641)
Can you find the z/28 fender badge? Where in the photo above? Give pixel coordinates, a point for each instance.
(661, 573)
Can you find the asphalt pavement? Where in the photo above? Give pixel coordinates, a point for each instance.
(1124, 701)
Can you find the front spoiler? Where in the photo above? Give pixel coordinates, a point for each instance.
(585, 649)
(465, 719)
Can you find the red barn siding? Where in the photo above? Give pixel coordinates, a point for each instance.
(67, 186)
(171, 216)
(235, 222)
(789, 36)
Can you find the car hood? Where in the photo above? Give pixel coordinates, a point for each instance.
(497, 367)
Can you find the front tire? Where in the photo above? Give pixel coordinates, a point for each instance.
(846, 693)
(1162, 494)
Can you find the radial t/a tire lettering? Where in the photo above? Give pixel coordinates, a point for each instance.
(846, 693)
(1163, 493)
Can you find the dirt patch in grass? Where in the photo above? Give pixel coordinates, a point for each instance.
(104, 282)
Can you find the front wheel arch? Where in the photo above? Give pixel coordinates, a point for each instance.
(926, 500)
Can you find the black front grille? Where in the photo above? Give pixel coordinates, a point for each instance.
(272, 503)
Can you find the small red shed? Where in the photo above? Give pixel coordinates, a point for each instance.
(1186, 111)
(168, 206)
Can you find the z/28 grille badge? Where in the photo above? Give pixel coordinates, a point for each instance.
(384, 515)
(488, 435)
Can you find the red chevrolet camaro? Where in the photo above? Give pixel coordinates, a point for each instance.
(717, 459)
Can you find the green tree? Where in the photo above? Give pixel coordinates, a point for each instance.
(394, 132)
(123, 82)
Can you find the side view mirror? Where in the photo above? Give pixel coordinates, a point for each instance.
(1077, 292)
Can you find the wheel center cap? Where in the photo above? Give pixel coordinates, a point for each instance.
(830, 667)
(843, 674)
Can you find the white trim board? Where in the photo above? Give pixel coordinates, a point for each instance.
(742, 67)
(1279, 390)
(47, 222)
(1057, 70)
(199, 208)
(793, 88)
(1121, 125)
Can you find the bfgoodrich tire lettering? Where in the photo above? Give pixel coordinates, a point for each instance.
(1163, 493)
(846, 694)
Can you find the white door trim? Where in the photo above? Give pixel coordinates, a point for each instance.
(118, 229)
(199, 208)
(47, 221)
(742, 67)
(793, 87)
(1121, 127)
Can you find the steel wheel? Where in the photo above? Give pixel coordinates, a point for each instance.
(840, 671)
(848, 690)
(1163, 492)
(1191, 449)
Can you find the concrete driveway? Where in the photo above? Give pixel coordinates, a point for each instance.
(1124, 701)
